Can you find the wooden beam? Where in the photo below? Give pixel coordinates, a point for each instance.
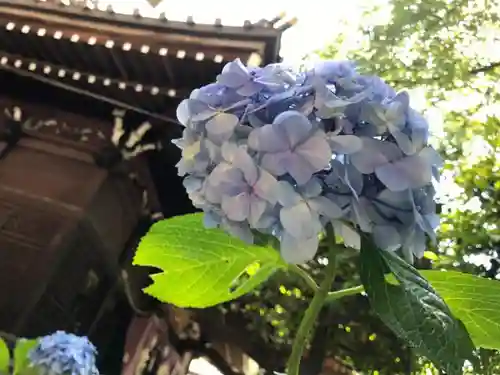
(114, 38)
(145, 29)
(20, 76)
(148, 44)
(248, 30)
(49, 69)
(98, 133)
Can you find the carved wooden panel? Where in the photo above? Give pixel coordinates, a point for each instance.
(77, 132)
(32, 225)
(63, 226)
(148, 350)
(65, 183)
(28, 240)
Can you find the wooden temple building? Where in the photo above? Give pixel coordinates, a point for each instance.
(87, 108)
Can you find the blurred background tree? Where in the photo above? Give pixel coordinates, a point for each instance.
(447, 54)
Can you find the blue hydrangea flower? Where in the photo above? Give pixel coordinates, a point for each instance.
(63, 353)
(291, 144)
(303, 206)
(286, 153)
(242, 188)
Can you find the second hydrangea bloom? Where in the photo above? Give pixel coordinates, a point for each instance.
(63, 353)
(285, 153)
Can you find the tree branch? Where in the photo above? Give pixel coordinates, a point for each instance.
(486, 68)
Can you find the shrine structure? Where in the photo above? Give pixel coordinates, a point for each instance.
(87, 99)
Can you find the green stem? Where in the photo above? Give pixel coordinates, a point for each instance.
(311, 314)
(333, 296)
(305, 276)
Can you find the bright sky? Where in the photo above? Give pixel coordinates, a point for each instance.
(318, 20)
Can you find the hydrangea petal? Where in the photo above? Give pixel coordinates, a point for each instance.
(257, 207)
(410, 172)
(199, 111)
(239, 230)
(349, 235)
(231, 79)
(267, 139)
(353, 179)
(433, 220)
(221, 126)
(360, 214)
(329, 105)
(287, 195)
(276, 163)
(182, 112)
(414, 244)
(386, 237)
(311, 189)
(293, 125)
(298, 167)
(416, 121)
(419, 138)
(266, 187)
(345, 144)
(374, 154)
(394, 177)
(192, 184)
(333, 70)
(239, 158)
(431, 156)
(300, 221)
(394, 203)
(234, 74)
(236, 208)
(395, 115)
(325, 207)
(249, 88)
(316, 151)
(296, 251)
(404, 142)
(222, 173)
(269, 222)
(377, 88)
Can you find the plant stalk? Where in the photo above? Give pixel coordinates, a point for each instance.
(338, 294)
(307, 324)
(305, 276)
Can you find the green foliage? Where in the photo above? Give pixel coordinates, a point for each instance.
(475, 300)
(20, 360)
(4, 357)
(21, 350)
(202, 267)
(414, 310)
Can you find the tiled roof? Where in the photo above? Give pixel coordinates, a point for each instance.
(137, 60)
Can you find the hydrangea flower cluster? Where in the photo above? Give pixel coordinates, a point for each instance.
(63, 353)
(285, 153)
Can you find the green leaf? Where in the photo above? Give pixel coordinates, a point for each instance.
(202, 267)
(475, 300)
(430, 255)
(413, 310)
(4, 357)
(23, 347)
